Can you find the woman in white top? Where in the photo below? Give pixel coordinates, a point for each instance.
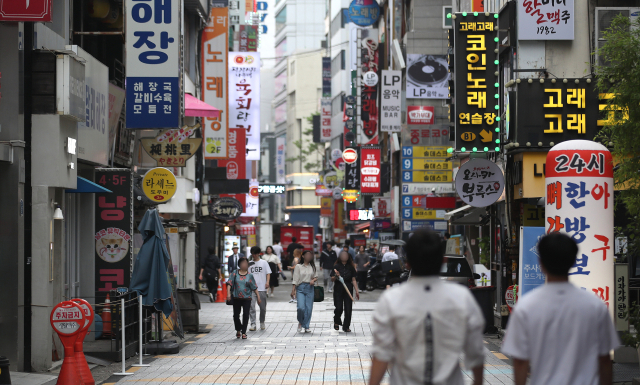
(304, 279)
(276, 267)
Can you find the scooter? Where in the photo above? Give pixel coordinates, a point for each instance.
(376, 279)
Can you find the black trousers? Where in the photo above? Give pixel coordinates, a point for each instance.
(362, 280)
(212, 285)
(244, 305)
(342, 302)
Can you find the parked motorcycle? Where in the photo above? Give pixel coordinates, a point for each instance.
(376, 279)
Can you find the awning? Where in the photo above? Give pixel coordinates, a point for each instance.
(477, 216)
(362, 226)
(196, 107)
(87, 186)
(450, 214)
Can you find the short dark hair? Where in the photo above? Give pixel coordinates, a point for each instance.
(347, 242)
(424, 253)
(212, 249)
(255, 250)
(392, 247)
(242, 259)
(557, 252)
(447, 235)
(293, 239)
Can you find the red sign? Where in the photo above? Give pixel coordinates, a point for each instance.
(350, 155)
(370, 170)
(420, 115)
(237, 163)
(416, 133)
(25, 10)
(440, 203)
(68, 319)
(510, 299)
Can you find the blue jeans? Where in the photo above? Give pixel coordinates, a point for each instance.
(304, 295)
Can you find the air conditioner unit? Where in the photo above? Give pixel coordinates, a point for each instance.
(604, 18)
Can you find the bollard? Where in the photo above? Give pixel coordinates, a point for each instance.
(67, 319)
(140, 364)
(124, 345)
(106, 317)
(82, 365)
(5, 375)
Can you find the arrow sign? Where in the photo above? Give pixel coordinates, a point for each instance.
(486, 136)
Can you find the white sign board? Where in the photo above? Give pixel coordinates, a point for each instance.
(93, 133)
(370, 79)
(244, 98)
(479, 182)
(70, 90)
(325, 120)
(427, 76)
(546, 20)
(391, 101)
(252, 200)
(153, 63)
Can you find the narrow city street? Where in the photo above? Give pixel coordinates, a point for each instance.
(280, 355)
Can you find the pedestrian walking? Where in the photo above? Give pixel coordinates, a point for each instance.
(336, 248)
(362, 262)
(241, 288)
(276, 268)
(558, 332)
(422, 327)
(277, 248)
(305, 277)
(344, 268)
(350, 249)
(390, 255)
(261, 272)
(232, 262)
(210, 272)
(327, 259)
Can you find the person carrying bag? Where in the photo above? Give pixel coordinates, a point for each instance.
(239, 289)
(305, 277)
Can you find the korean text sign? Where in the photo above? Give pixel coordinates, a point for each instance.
(280, 158)
(476, 86)
(244, 98)
(479, 182)
(531, 275)
(113, 226)
(215, 46)
(545, 20)
(370, 170)
(555, 112)
(579, 202)
(325, 120)
(153, 63)
(391, 101)
(352, 176)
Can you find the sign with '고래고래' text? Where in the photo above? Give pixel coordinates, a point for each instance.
(546, 20)
(153, 64)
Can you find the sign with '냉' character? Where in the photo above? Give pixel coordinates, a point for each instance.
(479, 182)
(153, 64)
(579, 202)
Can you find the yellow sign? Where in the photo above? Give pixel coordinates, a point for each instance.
(350, 196)
(430, 151)
(431, 164)
(426, 214)
(172, 148)
(159, 184)
(532, 175)
(432, 176)
(468, 136)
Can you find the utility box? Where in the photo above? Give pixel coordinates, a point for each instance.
(189, 309)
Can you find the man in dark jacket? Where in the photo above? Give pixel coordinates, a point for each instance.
(327, 260)
(210, 272)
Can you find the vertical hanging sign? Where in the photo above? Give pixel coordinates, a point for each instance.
(153, 64)
(236, 164)
(114, 229)
(579, 202)
(325, 120)
(215, 47)
(390, 102)
(369, 93)
(280, 150)
(244, 98)
(370, 170)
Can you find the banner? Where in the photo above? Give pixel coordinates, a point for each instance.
(370, 170)
(248, 38)
(237, 163)
(325, 120)
(531, 275)
(280, 159)
(215, 46)
(252, 200)
(391, 101)
(244, 98)
(153, 64)
(326, 77)
(428, 76)
(114, 228)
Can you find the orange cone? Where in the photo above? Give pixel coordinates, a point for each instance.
(106, 317)
(222, 292)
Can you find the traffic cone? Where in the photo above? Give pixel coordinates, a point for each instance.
(222, 294)
(106, 317)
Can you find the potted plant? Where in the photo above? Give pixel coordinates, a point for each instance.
(628, 338)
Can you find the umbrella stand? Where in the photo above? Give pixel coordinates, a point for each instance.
(160, 346)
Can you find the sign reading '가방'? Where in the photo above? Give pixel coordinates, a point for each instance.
(153, 67)
(546, 20)
(476, 84)
(479, 182)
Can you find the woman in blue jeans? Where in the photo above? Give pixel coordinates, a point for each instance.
(304, 279)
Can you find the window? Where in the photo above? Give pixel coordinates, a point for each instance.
(281, 50)
(293, 67)
(281, 19)
(338, 63)
(337, 104)
(447, 22)
(281, 113)
(280, 82)
(339, 21)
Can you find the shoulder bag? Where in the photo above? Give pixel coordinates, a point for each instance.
(318, 293)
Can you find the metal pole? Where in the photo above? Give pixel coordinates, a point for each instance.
(140, 328)
(123, 373)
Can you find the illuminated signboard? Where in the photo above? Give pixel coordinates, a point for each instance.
(271, 189)
(361, 215)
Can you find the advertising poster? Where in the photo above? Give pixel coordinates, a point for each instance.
(252, 200)
(546, 20)
(427, 76)
(369, 93)
(215, 46)
(153, 64)
(531, 275)
(244, 98)
(114, 228)
(370, 170)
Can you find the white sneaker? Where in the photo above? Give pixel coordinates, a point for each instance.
(262, 327)
(253, 328)
(307, 330)
(330, 291)
(295, 301)
(299, 328)
(291, 300)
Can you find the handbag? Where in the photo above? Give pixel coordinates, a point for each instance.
(318, 294)
(230, 298)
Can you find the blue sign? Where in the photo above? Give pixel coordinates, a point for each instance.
(153, 102)
(531, 275)
(364, 12)
(409, 226)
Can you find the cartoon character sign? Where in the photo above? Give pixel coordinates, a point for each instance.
(112, 244)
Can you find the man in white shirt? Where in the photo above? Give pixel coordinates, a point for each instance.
(390, 255)
(261, 272)
(277, 248)
(423, 326)
(559, 332)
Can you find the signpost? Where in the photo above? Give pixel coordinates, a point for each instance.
(350, 155)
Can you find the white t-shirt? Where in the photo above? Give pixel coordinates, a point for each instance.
(278, 250)
(259, 270)
(561, 330)
(272, 258)
(388, 256)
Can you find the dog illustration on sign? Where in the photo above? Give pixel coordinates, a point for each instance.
(112, 244)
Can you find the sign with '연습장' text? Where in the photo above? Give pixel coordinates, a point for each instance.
(153, 67)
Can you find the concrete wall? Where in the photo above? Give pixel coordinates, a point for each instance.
(50, 157)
